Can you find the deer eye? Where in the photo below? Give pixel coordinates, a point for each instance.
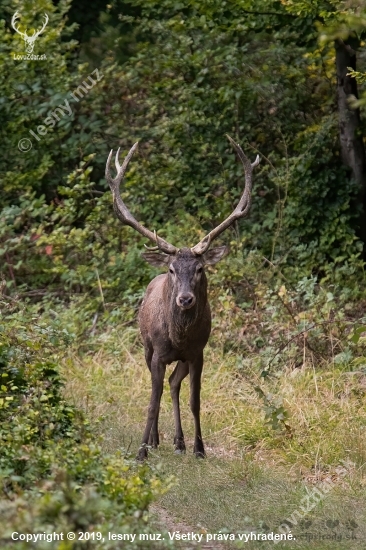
(171, 270)
(199, 270)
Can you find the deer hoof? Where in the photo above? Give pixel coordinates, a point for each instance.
(154, 442)
(200, 454)
(179, 446)
(142, 454)
(180, 452)
(199, 451)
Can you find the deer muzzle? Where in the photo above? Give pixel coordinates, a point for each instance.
(186, 300)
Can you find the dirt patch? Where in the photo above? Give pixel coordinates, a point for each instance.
(169, 523)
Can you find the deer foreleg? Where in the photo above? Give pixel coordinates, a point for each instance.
(195, 371)
(154, 434)
(157, 380)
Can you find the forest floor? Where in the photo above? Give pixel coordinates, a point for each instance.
(253, 479)
(164, 521)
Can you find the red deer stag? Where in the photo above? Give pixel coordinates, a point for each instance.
(175, 317)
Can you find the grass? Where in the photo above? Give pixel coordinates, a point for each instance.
(271, 442)
(254, 477)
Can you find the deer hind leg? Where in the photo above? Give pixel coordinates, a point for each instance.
(195, 371)
(157, 380)
(175, 380)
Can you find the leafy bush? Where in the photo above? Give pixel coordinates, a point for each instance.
(54, 475)
(213, 72)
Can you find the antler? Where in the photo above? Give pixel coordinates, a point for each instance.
(243, 205)
(43, 28)
(13, 20)
(120, 208)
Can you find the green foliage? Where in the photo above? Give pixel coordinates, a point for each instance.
(195, 72)
(54, 475)
(214, 73)
(275, 413)
(33, 415)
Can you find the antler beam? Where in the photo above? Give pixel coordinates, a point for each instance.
(120, 208)
(241, 209)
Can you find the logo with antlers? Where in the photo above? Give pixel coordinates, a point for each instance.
(29, 40)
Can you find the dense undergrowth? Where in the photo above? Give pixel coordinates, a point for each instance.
(54, 474)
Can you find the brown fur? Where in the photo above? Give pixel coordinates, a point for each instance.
(172, 333)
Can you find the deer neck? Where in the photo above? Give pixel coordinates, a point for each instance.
(181, 323)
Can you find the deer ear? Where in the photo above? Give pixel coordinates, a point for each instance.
(215, 255)
(157, 259)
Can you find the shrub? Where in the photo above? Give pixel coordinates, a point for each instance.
(54, 476)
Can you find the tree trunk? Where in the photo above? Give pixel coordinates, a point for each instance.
(352, 147)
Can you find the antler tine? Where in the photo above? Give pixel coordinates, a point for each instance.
(116, 160)
(120, 208)
(116, 182)
(153, 248)
(242, 207)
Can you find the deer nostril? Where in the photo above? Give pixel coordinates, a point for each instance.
(185, 300)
